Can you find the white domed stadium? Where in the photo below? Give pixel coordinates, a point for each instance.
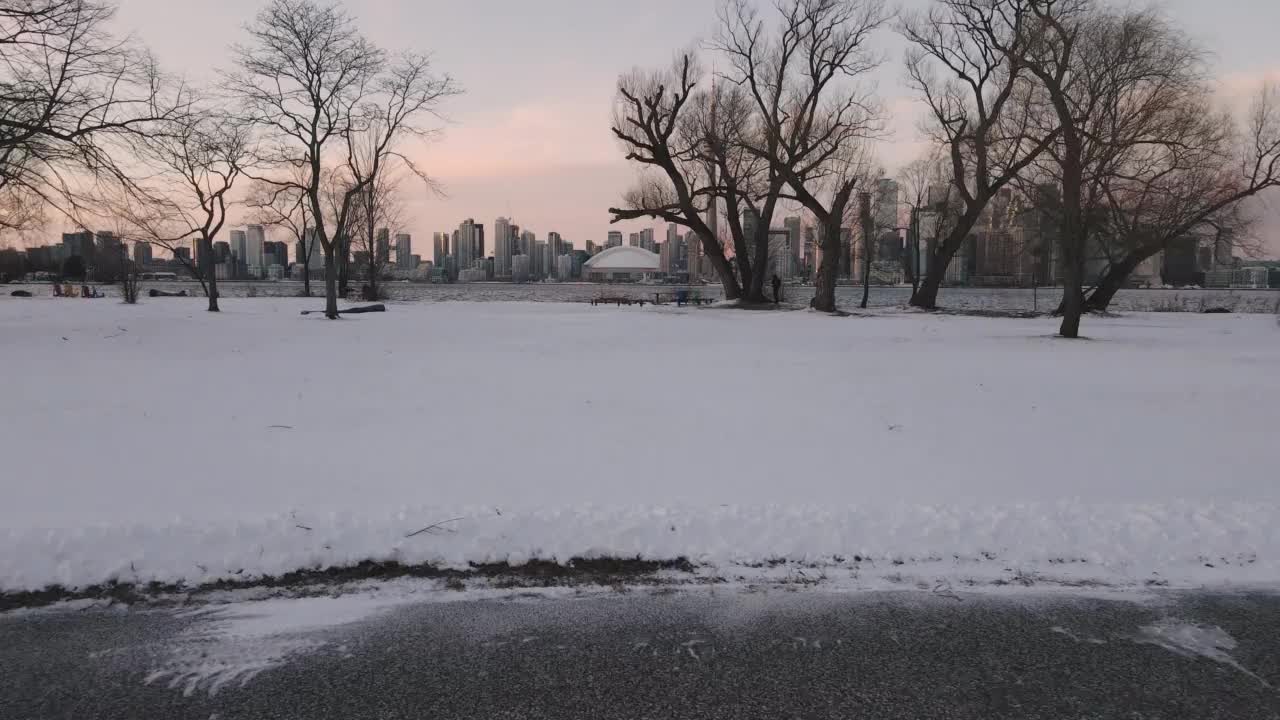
(625, 262)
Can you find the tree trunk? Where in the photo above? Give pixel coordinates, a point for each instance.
(330, 284)
(712, 252)
(1115, 278)
(926, 297)
(210, 273)
(1073, 245)
(344, 265)
(868, 240)
(824, 294)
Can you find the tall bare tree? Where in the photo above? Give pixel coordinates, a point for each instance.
(74, 103)
(378, 209)
(652, 122)
(318, 90)
(801, 71)
(194, 165)
(966, 64)
(1111, 82)
(1194, 182)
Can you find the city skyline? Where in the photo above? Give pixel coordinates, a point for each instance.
(530, 138)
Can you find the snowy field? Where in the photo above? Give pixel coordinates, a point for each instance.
(160, 442)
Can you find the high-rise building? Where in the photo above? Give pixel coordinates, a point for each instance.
(614, 239)
(646, 240)
(273, 253)
(255, 235)
(885, 214)
(792, 224)
(142, 253)
(810, 250)
(564, 268)
(634, 240)
(79, 244)
(591, 248)
(239, 251)
(468, 244)
(440, 248)
(520, 268)
(693, 263)
(664, 254)
(382, 246)
(404, 252)
(527, 242)
(503, 247)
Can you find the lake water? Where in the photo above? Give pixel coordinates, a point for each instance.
(995, 299)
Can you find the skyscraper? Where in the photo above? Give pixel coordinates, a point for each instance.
(503, 247)
(79, 244)
(792, 224)
(239, 250)
(614, 239)
(404, 251)
(469, 244)
(255, 235)
(634, 240)
(555, 248)
(142, 253)
(382, 245)
(646, 240)
(440, 248)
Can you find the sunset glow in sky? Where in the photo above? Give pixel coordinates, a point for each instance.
(530, 138)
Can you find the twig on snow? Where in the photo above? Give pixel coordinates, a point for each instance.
(431, 529)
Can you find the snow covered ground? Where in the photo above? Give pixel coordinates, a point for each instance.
(160, 442)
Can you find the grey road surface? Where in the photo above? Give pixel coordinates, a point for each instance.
(701, 654)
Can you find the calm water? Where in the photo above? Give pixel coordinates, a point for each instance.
(1007, 299)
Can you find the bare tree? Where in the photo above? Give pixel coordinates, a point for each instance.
(286, 207)
(378, 208)
(966, 63)
(1111, 83)
(1195, 181)
(800, 72)
(195, 163)
(74, 103)
(932, 207)
(319, 90)
(652, 122)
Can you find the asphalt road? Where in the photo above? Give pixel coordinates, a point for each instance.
(697, 654)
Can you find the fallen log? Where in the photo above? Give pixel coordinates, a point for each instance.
(352, 311)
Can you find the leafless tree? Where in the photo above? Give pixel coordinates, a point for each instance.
(966, 63)
(286, 207)
(378, 209)
(725, 131)
(933, 208)
(1193, 182)
(800, 70)
(1111, 82)
(652, 122)
(194, 164)
(320, 92)
(74, 103)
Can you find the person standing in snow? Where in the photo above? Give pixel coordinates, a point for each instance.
(777, 288)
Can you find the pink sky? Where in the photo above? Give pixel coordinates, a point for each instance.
(530, 138)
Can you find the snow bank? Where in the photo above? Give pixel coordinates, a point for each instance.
(159, 442)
